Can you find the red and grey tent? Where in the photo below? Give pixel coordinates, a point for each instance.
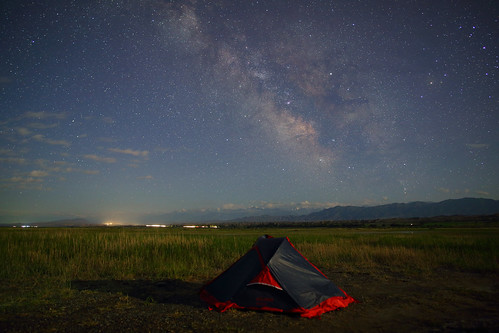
(274, 276)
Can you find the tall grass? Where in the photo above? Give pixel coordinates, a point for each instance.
(423, 251)
(36, 256)
(90, 254)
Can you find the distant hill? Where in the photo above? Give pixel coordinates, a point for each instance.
(418, 209)
(206, 215)
(61, 223)
(465, 206)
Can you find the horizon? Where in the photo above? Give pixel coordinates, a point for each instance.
(124, 109)
(201, 216)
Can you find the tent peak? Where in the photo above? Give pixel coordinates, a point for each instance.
(274, 276)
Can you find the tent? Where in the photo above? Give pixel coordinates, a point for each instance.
(274, 276)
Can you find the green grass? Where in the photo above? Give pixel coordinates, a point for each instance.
(418, 252)
(45, 259)
(88, 254)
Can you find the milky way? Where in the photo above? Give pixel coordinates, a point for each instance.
(126, 109)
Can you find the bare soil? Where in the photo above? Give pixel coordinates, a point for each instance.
(446, 301)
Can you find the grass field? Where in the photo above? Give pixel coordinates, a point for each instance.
(62, 255)
(40, 266)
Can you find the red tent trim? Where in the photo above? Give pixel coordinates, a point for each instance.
(265, 278)
(262, 302)
(330, 304)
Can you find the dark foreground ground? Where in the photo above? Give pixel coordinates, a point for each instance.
(447, 301)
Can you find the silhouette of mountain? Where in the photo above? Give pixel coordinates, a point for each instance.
(206, 215)
(63, 223)
(452, 207)
(465, 206)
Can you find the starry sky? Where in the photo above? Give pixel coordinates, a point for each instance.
(120, 110)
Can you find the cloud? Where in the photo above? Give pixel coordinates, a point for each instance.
(295, 205)
(23, 131)
(38, 173)
(477, 145)
(77, 170)
(18, 179)
(454, 191)
(443, 190)
(14, 160)
(41, 125)
(148, 177)
(43, 172)
(42, 138)
(44, 115)
(231, 206)
(23, 183)
(317, 205)
(142, 153)
(39, 116)
(100, 158)
(108, 120)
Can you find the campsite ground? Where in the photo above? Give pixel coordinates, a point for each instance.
(425, 280)
(446, 301)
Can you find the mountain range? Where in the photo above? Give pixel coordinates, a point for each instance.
(206, 215)
(465, 206)
(451, 207)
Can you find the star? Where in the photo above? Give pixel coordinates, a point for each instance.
(114, 110)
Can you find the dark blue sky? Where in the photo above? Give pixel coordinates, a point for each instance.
(115, 110)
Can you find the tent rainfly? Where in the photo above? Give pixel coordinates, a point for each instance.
(274, 276)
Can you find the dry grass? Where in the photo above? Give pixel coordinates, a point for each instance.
(62, 255)
(422, 251)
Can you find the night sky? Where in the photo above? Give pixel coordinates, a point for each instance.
(118, 110)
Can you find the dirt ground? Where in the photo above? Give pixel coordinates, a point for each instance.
(447, 301)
